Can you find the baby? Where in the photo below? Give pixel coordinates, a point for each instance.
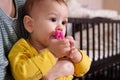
(47, 54)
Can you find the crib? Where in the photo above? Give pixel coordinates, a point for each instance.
(100, 39)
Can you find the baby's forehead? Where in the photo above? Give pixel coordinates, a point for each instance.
(42, 2)
(30, 4)
(48, 6)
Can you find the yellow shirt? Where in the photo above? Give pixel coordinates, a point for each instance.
(27, 64)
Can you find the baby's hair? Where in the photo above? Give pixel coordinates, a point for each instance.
(30, 3)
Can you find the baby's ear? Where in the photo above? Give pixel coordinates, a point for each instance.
(28, 23)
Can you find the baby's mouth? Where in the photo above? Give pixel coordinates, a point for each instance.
(52, 37)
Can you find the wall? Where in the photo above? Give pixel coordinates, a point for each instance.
(103, 4)
(112, 4)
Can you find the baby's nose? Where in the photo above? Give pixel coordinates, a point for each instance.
(59, 27)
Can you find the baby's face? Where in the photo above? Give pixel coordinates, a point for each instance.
(48, 16)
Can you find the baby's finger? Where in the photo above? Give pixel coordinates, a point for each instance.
(69, 37)
(71, 40)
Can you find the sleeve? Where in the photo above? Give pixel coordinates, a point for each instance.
(3, 60)
(30, 66)
(83, 66)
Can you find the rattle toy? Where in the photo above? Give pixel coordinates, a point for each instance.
(59, 35)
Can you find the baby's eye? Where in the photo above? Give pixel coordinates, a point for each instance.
(64, 22)
(53, 19)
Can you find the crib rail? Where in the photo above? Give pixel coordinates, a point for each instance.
(100, 39)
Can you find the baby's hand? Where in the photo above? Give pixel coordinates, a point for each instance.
(59, 48)
(74, 54)
(63, 67)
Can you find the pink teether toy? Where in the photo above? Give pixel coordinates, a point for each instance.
(59, 34)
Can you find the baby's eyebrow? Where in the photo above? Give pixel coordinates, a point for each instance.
(53, 13)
